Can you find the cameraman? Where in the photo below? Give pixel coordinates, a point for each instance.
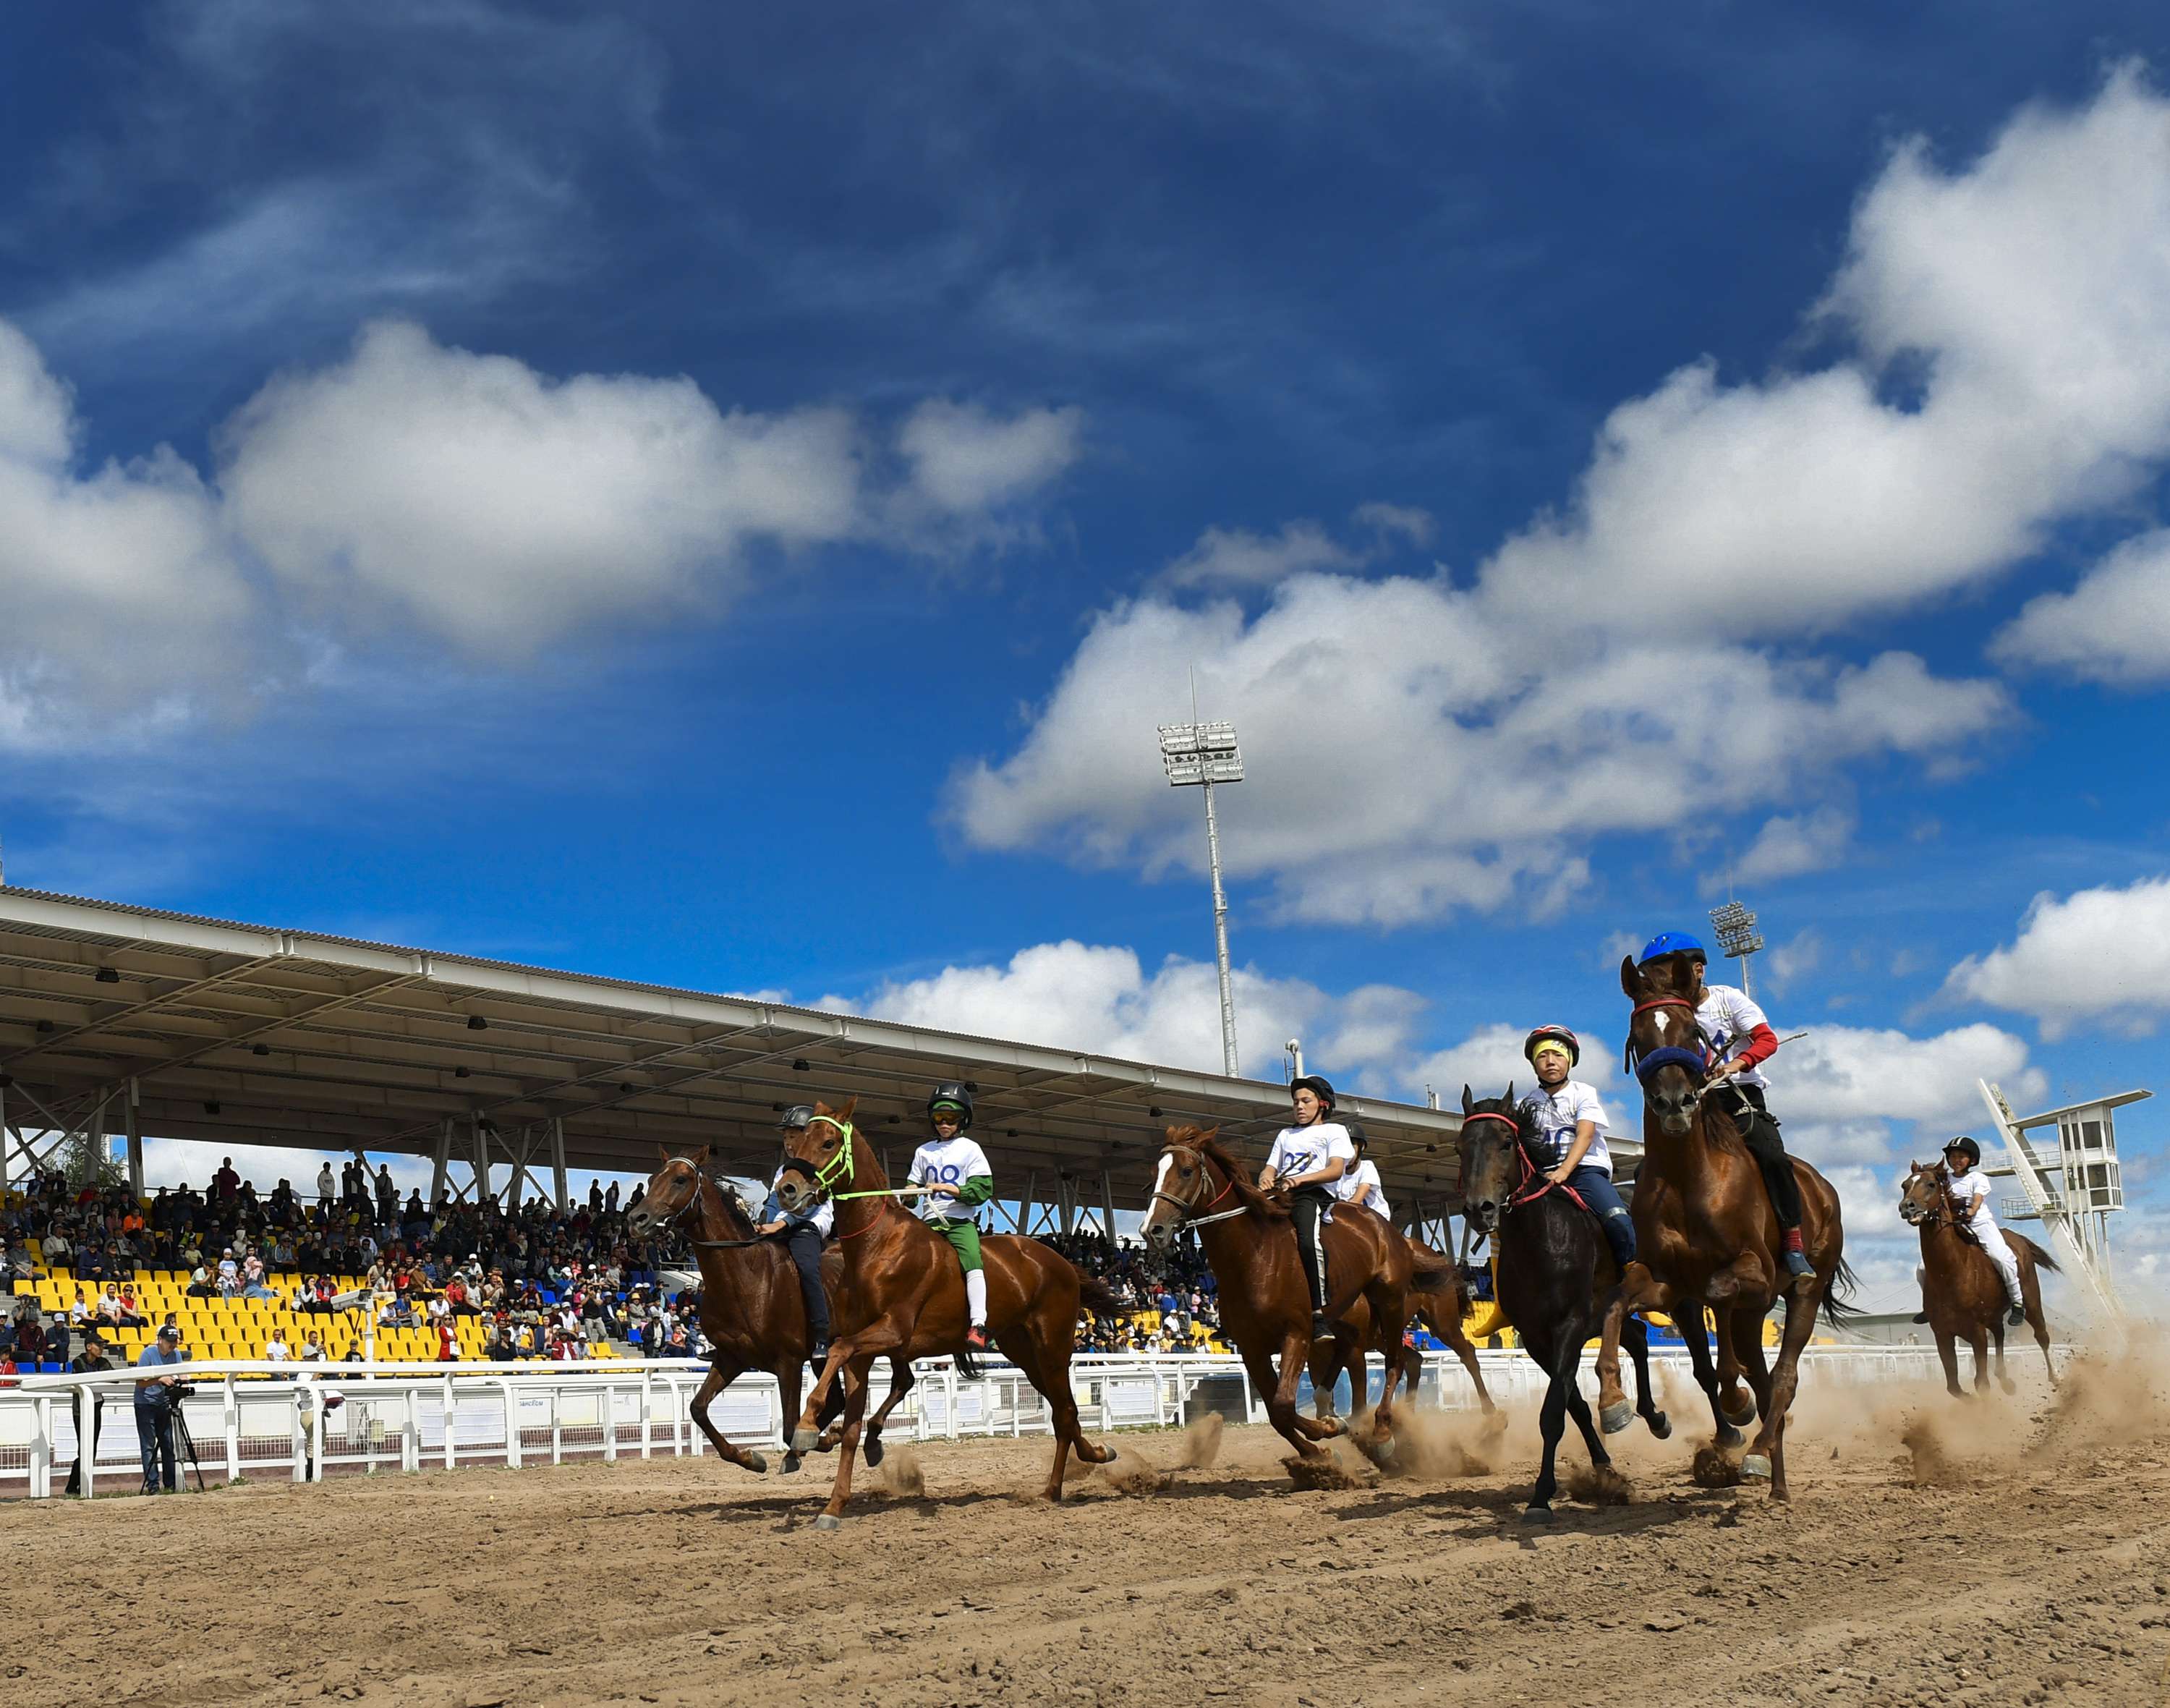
(155, 1400)
(93, 1359)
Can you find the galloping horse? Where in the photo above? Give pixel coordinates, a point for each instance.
(751, 1310)
(1706, 1234)
(1961, 1289)
(1553, 1262)
(1265, 1305)
(1440, 1312)
(901, 1292)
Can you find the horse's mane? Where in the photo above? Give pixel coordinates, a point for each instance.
(1210, 1145)
(738, 1223)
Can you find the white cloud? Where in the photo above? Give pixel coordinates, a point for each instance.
(1100, 998)
(1796, 957)
(2115, 627)
(965, 460)
(1857, 1073)
(1408, 753)
(1236, 557)
(2033, 289)
(1404, 521)
(1795, 843)
(2100, 955)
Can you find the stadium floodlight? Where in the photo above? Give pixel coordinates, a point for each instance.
(1737, 937)
(1199, 755)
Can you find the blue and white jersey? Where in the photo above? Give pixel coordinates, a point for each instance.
(1360, 1186)
(1304, 1150)
(1558, 1113)
(948, 1163)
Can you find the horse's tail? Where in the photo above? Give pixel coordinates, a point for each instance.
(1837, 1312)
(1430, 1271)
(2042, 1260)
(968, 1367)
(1095, 1295)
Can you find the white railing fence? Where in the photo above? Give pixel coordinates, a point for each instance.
(252, 1419)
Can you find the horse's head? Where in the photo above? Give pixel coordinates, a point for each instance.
(1922, 1194)
(671, 1190)
(1184, 1183)
(1666, 1046)
(1493, 1162)
(819, 1156)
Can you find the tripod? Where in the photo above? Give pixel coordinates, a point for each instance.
(185, 1444)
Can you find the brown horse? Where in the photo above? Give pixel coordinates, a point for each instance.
(1961, 1289)
(1265, 1304)
(1440, 1312)
(902, 1292)
(1706, 1234)
(751, 1310)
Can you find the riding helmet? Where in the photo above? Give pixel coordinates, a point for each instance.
(1673, 943)
(1966, 1148)
(799, 1114)
(951, 1094)
(1354, 1129)
(1560, 1035)
(1317, 1085)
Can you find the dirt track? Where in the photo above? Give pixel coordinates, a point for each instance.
(2043, 1576)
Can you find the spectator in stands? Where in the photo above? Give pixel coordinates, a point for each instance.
(202, 1285)
(448, 1341)
(58, 1251)
(312, 1348)
(225, 1184)
(276, 1349)
(229, 1275)
(325, 1186)
(500, 1347)
(56, 1340)
(387, 1195)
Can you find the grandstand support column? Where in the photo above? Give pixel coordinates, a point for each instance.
(133, 1111)
(1023, 1223)
(444, 1162)
(1108, 1205)
(480, 1130)
(557, 1163)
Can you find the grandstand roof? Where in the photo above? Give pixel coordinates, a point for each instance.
(255, 1035)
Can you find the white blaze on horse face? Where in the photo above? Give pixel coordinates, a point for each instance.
(1153, 1211)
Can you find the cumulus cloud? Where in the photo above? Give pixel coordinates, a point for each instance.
(1100, 997)
(2097, 956)
(424, 492)
(1236, 557)
(1402, 521)
(1791, 844)
(2115, 627)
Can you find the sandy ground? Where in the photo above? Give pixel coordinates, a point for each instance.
(2007, 1551)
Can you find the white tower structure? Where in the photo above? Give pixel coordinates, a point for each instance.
(1198, 756)
(2069, 1182)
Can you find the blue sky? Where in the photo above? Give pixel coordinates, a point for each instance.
(725, 499)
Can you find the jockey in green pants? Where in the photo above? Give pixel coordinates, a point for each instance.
(958, 1178)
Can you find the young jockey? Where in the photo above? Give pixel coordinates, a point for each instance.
(1740, 1039)
(958, 1178)
(1361, 1184)
(1572, 1130)
(802, 1235)
(1970, 1190)
(1308, 1156)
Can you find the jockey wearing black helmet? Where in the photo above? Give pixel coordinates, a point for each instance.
(802, 1233)
(1308, 1157)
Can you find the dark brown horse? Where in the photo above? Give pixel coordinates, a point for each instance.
(1706, 1234)
(1265, 1304)
(751, 1310)
(901, 1293)
(1441, 1312)
(1961, 1290)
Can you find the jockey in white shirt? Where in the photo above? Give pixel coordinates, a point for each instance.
(1571, 1130)
(1361, 1184)
(1969, 1190)
(1309, 1156)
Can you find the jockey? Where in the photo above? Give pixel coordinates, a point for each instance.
(1360, 1184)
(1572, 1129)
(1970, 1190)
(958, 1178)
(802, 1233)
(1308, 1156)
(1739, 1039)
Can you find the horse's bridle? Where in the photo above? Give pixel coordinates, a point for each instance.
(1938, 1216)
(1645, 1063)
(1519, 1198)
(1192, 1216)
(693, 1202)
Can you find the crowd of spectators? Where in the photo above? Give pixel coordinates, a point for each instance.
(1175, 1283)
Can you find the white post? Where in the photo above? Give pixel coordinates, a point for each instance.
(647, 1414)
(86, 1434)
(557, 1163)
(1221, 937)
(450, 1405)
(232, 1402)
(443, 1163)
(512, 1425)
(297, 1435)
(41, 1447)
(610, 1424)
(481, 1157)
(135, 1120)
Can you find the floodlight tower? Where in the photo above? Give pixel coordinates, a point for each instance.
(1737, 937)
(1199, 755)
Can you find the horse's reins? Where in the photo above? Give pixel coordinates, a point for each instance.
(1191, 1218)
(1517, 1197)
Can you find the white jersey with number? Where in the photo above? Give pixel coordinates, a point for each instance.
(1305, 1150)
(1558, 1113)
(1729, 1019)
(1360, 1186)
(1971, 1189)
(947, 1162)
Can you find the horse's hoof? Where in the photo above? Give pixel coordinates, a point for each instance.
(791, 1463)
(1660, 1426)
(1534, 1514)
(805, 1440)
(1613, 1418)
(1756, 1468)
(1742, 1418)
(1727, 1436)
(757, 1463)
(872, 1449)
(828, 1521)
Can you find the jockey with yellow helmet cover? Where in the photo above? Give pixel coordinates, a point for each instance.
(1570, 1133)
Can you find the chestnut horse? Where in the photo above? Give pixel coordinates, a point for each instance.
(1555, 1278)
(1440, 1312)
(1265, 1304)
(751, 1310)
(1961, 1290)
(901, 1292)
(1706, 1234)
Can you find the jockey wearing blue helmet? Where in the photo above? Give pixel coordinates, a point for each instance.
(1740, 1038)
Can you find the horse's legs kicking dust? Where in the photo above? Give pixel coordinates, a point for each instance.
(1048, 1369)
(1696, 1339)
(1947, 1353)
(869, 1343)
(855, 1411)
(1978, 1338)
(900, 1380)
(1559, 1359)
(721, 1375)
(1637, 1333)
(1767, 1456)
(1465, 1350)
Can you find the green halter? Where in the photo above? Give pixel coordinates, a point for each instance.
(842, 1164)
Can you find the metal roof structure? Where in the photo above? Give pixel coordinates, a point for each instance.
(135, 1020)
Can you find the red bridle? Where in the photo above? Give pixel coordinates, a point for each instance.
(1517, 1197)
